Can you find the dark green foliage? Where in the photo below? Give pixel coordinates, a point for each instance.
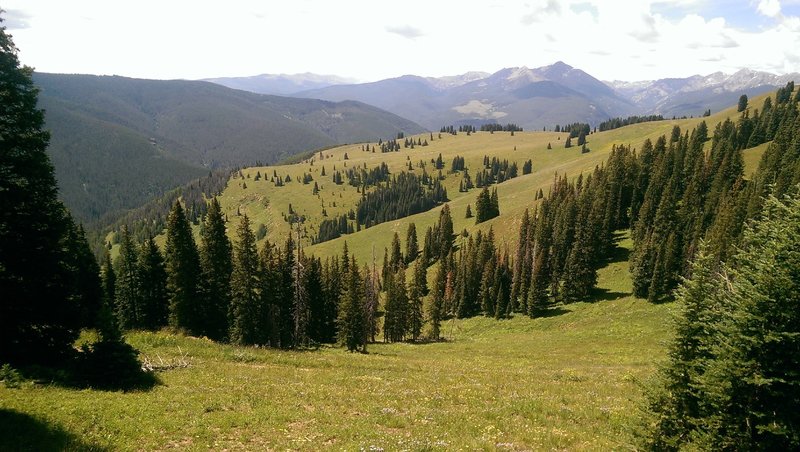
(486, 206)
(37, 321)
(396, 319)
(405, 194)
(500, 128)
(436, 308)
(246, 311)
(183, 272)
(330, 229)
(128, 285)
(86, 293)
(416, 292)
(412, 247)
(443, 233)
(216, 257)
(732, 380)
(615, 123)
(527, 167)
(109, 282)
(140, 138)
(742, 106)
(351, 323)
(318, 315)
(568, 143)
(153, 297)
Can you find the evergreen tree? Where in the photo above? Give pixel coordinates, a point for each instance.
(128, 284)
(216, 266)
(436, 307)
(246, 305)
(183, 270)
(733, 374)
(677, 404)
(351, 324)
(86, 293)
(37, 322)
(109, 281)
(418, 289)
(153, 302)
(445, 232)
(742, 103)
(395, 323)
(412, 247)
(285, 304)
(396, 262)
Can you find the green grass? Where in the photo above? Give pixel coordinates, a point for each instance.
(267, 204)
(567, 381)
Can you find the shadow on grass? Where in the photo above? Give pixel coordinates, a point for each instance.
(618, 254)
(23, 432)
(75, 376)
(597, 294)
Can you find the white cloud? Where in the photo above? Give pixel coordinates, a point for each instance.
(361, 38)
(769, 8)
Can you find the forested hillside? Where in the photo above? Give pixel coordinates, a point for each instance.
(117, 142)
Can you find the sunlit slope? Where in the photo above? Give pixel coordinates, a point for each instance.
(267, 204)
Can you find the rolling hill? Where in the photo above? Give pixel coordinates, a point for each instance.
(267, 204)
(117, 142)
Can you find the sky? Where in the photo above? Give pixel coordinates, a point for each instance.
(369, 40)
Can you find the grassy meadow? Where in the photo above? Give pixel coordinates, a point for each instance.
(268, 205)
(569, 381)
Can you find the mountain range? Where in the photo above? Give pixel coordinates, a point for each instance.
(542, 97)
(117, 142)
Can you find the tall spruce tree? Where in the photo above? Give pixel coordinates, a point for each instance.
(216, 259)
(38, 323)
(733, 373)
(183, 272)
(154, 300)
(418, 289)
(412, 247)
(128, 283)
(351, 324)
(247, 316)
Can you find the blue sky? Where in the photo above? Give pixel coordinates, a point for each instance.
(372, 39)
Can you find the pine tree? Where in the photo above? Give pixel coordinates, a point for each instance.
(734, 364)
(412, 247)
(285, 304)
(436, 307)
(86, 293)
(37, 322)
(183, 271)
(418, 289)
(154, 303)
(742, 106)
(445, 232)
(128, 285)
(216, 266)
(677, 404)
(396, 317)
(396, 262)
(109, 282)
(246, 305)
(351, 324)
